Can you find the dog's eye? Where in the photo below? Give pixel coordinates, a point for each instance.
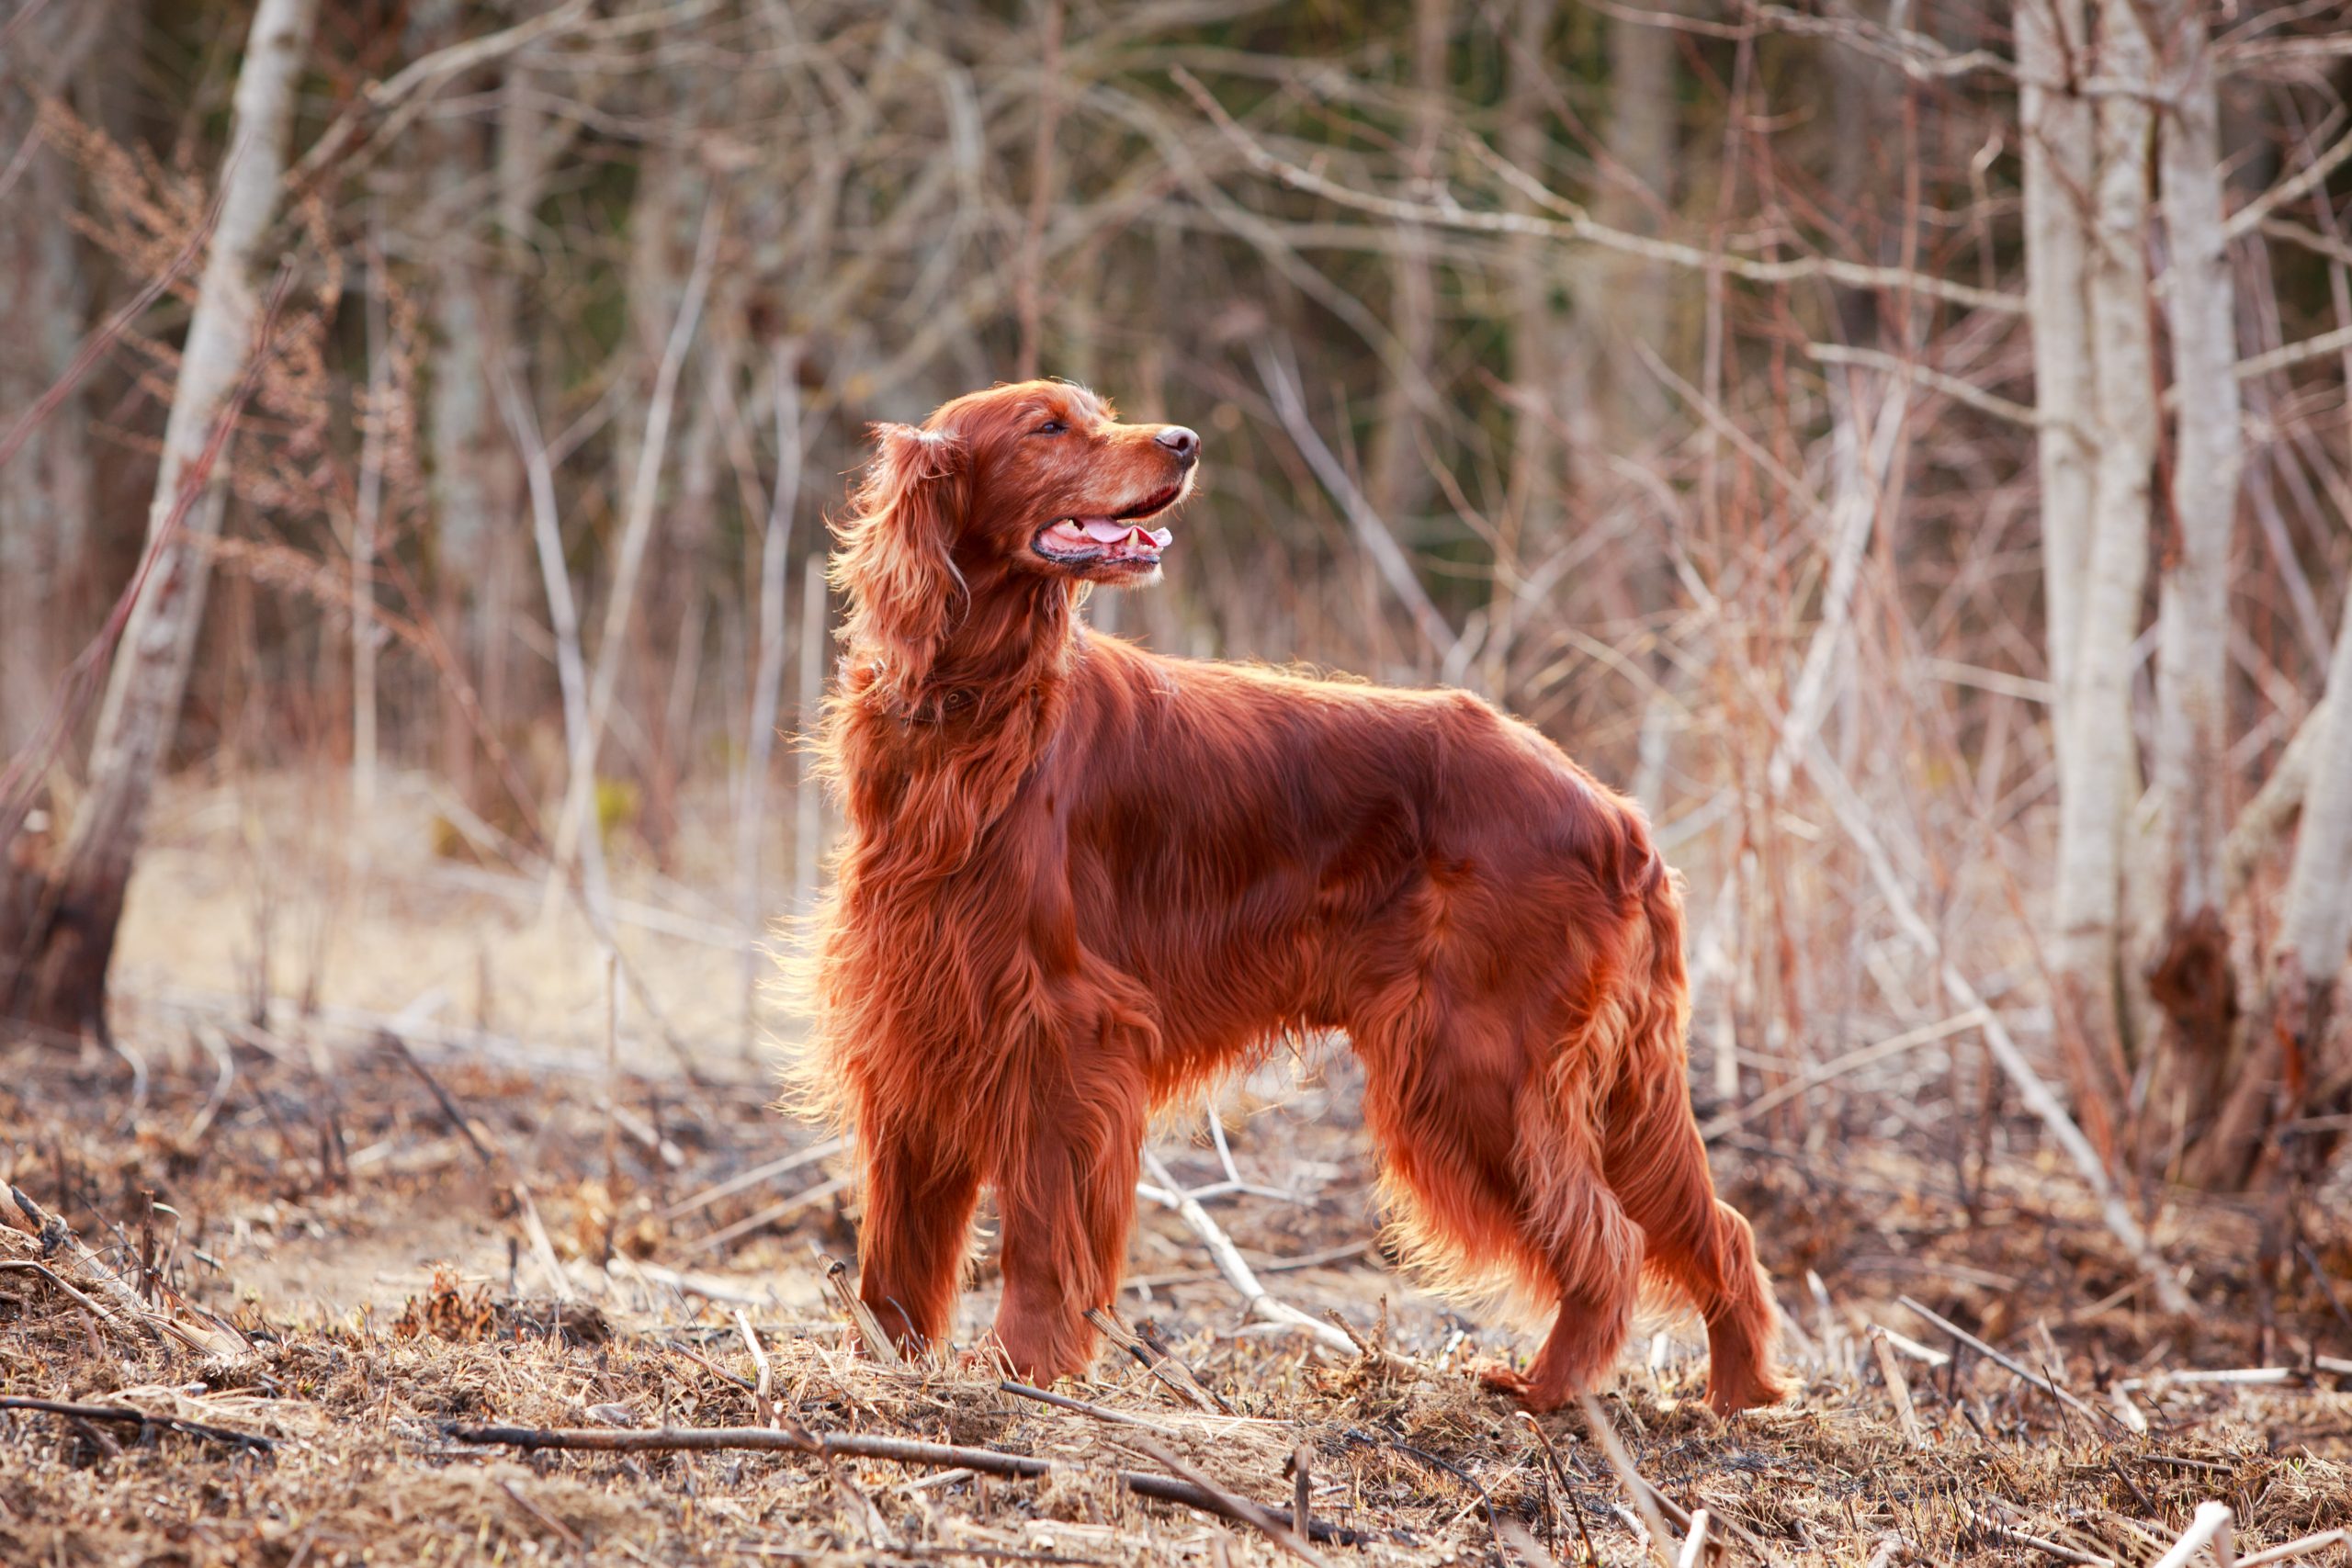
(1053, 427)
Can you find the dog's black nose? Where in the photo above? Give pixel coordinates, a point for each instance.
(1180, 441)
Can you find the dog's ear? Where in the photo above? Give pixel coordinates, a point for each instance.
(894, 560)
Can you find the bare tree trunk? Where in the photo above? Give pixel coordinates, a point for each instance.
(1864, 181)
(2315, 926)
(2099, 782)
(767, 680)
(367, 517)
(1539, 351)
(529, 139)
(2058, 165)
(45, 505)
(1632, 301)
(1615, 404)
(59, 979)
(809, 802)
(2295, 1037)
(2191, 970)
(1028, 284)
(476, 482)
(1396, 477)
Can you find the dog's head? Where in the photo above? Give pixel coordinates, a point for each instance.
(1034, 479)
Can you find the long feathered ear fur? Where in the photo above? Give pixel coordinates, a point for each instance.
(894, 560)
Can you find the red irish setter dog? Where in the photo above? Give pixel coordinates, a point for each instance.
(1080, 879)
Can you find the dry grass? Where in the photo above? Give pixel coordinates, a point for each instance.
(391, 1285)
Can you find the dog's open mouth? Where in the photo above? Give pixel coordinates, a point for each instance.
(1119, 539)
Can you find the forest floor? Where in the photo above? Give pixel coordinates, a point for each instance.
(344, 1279)
(295, 1262)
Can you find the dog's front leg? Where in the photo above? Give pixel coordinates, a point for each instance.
(1066, 1201)
(920, 1192)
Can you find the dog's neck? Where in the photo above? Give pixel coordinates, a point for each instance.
(1010, 646)
(926, 765)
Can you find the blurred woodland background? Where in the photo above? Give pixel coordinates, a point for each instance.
(1903, 442)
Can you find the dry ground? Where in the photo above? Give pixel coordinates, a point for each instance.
(392, 1281)
(374, 1243)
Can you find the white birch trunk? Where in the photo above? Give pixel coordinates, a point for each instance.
(2192, 972)
(2315, 924)
(2098, 777)
(62, 980)
(2058, 165)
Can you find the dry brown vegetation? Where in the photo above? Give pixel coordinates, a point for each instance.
(364, 1280)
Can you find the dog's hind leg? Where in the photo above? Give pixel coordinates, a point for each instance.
(1580, 1241)
(1492, 1183)
(1657, 1165)
(1656, 1162)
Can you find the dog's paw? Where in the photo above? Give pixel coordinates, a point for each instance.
(1502, 1379)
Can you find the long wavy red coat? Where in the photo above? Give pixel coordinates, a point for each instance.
(1080, 879)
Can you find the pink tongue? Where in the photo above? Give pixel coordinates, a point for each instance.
(1122, 539)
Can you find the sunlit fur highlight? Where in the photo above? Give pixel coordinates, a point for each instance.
(1080, 880)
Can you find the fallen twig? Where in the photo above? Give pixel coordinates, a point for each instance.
(754, 1178)
(768, 1216)
(1926, 1355)
(2064, 1553)
(1330, 1255)
(850, 1445)
(878, 1345)
(2016, 1368)
(2243, 1376)
(1154, 1360)
(1233, 1506)
(1229, 1262)
(2302, 1548)
(541, 1247)
(764, 1392)
(456, 1118)
(1694, 1545)
(1084, 1407)
(1898, 1388)
(57, 1237)
(97, 1314)
(1661, 1544)
(2210, 1528)
(125, 1416)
